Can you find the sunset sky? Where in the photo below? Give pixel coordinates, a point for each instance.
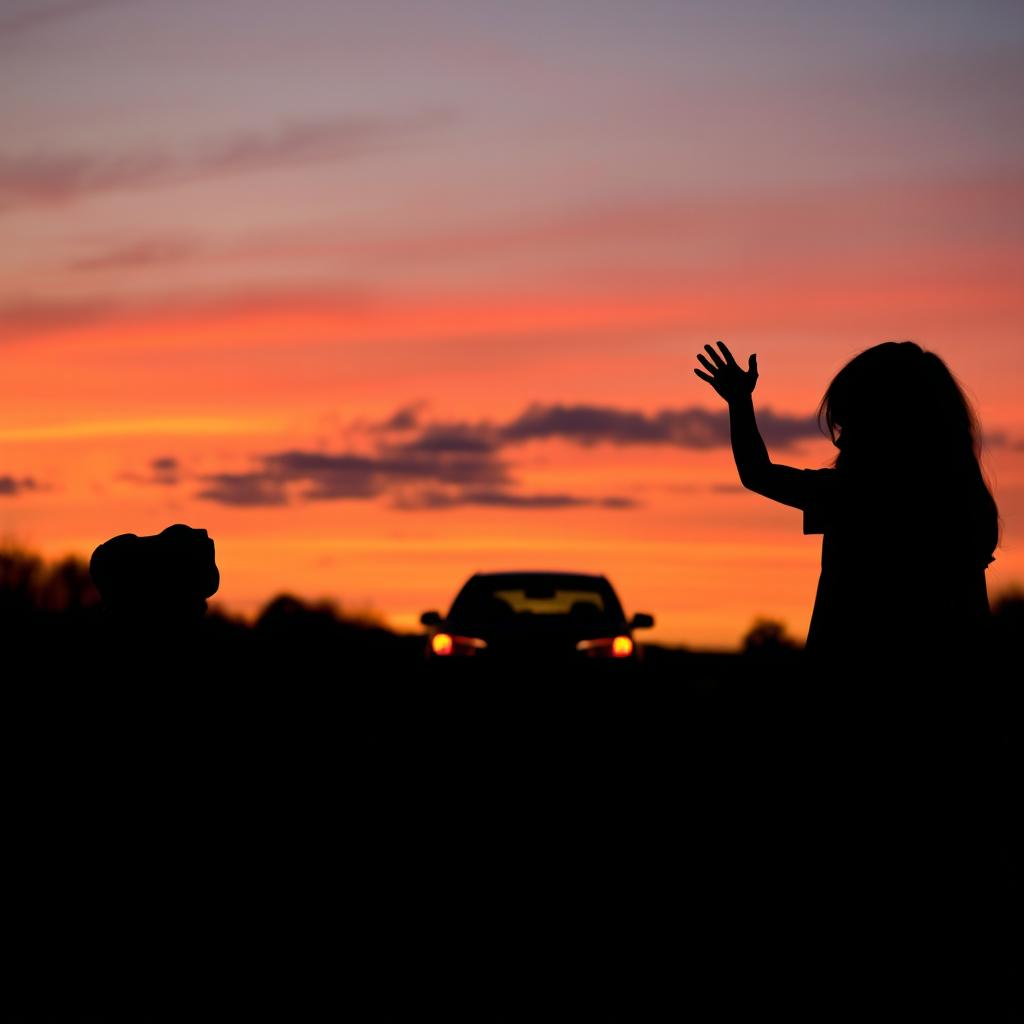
(382, 293)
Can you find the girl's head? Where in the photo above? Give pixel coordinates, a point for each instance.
(895, 402)
(899, 417)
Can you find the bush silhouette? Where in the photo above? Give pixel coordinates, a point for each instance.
(768, 636)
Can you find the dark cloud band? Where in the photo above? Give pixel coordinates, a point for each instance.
(11, 486)
(433, 465)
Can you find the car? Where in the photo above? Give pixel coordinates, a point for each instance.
(541, 618)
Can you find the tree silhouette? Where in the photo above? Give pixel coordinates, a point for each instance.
(768, 636)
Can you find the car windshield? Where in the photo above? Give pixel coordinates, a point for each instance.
(515, 600)
(551, 602)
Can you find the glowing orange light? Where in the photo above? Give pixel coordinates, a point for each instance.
(441, 644)
(622, 647)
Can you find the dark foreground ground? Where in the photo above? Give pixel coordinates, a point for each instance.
(310, 833)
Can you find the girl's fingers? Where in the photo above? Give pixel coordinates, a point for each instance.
(728, 355)
(703, 362)
(715, 357)
(704, 376)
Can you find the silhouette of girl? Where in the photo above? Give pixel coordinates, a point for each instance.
(903, 801)
(908, 522)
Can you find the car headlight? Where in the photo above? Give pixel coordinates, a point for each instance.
(607, 647)
(446, 645)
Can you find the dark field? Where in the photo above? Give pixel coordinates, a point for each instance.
(298, 818)
(702, 840)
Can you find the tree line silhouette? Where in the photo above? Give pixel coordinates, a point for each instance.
(57, 599)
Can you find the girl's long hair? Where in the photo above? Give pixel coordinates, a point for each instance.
(898, 415)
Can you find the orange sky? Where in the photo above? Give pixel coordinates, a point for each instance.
(249, 282)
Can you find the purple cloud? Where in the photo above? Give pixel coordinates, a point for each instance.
(432, 499)
(684, 428)
(445, 464)
(243, 489)
(11, 486)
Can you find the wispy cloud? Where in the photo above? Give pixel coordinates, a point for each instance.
(33, 14)
(407, 417)
(426, 500)
(164, 471)
(826, 220)
(23, 316)
(138, 255)
(26, 316)
(303, 141)
(51, 178)
(11, 486)
(1000, 439)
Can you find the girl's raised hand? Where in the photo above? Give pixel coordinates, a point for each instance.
(725, 376)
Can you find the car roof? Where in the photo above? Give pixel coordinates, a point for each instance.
(482, 585)
(535, 575)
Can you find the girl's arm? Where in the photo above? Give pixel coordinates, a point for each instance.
(757, 472)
